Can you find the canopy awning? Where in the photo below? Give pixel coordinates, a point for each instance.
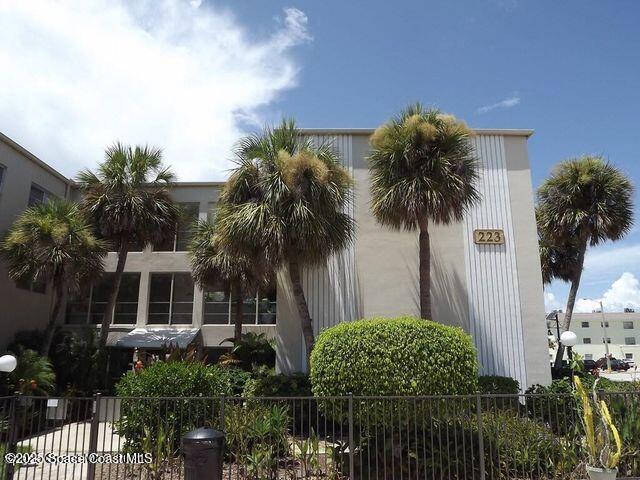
(156, 338)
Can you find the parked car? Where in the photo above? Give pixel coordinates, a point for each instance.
(617, 365)
(590, 365)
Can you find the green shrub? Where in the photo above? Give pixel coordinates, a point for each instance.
(393, 356)
(495, 384)
(266, 383)
(237, 379)
(141, 417)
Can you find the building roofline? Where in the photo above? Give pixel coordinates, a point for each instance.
(26, 153)
(512, 132)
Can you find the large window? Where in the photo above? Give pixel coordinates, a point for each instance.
(38, 195)
(180, 241)
(89, 305)
(3, 170)
(627, 325)
(585, 324)
(170, 299)
(630, 340)
(259, 309)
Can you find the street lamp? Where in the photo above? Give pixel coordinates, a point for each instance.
(8, 363)
(569, 340)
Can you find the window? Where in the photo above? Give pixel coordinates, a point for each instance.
(585, 324)
(171, 299)
(181, 239)
(38, 195)
(608, 340)
(628, 356)
(627, 325)
(259, 309)
(629, 340)
(89, 305)
(588, 356)
(586, 340)
(606, 324)
(3, 169)
(36, 286)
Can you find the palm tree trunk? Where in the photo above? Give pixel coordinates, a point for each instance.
(236, 291)
(111, 302)
(303, 308)
(425, 270)
(571, 300)
(57, 313)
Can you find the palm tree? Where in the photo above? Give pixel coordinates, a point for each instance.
(212, 264)
(53, 242)
(423, 170)
(285, 201)
(128, 202)
(584, 202)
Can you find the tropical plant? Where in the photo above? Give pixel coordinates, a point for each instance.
(253, 349)
(33, 374)
(213, 264)
(584, 202)
(53, 242)
(602, 439)
(128, 202)
(423, 170)
(286, 200)
(74, 358)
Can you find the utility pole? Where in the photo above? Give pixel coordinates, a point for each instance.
(605, 339)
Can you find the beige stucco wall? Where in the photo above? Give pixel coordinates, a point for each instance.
(528, 260)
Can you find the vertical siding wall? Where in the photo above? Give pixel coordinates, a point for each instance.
(494, 297)
(331, 291)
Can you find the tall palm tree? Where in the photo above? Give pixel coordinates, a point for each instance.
(285, 201)
(584, 202)
(212, 264)
(53, 242)
(127, 200)
(423, 170)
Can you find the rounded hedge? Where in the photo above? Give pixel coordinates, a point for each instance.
(393, 356)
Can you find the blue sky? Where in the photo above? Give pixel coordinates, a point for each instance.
(569, 70)
(193, 76)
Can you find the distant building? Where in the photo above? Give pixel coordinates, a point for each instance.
(485, 271)
(621, 331)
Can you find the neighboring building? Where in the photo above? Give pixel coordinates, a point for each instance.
(621, 331)
(485, 272)
(24, 180)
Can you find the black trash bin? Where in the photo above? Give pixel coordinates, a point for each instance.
(203, 451)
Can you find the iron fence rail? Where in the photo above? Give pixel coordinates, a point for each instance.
(482, 437)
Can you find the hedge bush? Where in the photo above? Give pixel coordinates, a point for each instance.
(264, 382)
(497, 385)
(143, 417)
(393, 356)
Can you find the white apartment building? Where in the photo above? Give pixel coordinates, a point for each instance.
(491, 289)
(620, 330)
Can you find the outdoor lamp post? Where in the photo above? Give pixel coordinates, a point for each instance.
(569, 340)
(8, 363)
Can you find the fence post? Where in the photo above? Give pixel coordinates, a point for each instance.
(480, 436)
(222, 405)
(351, 442)
(93, 436)
(12, 439)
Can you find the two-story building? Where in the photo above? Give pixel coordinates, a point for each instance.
(485, 269)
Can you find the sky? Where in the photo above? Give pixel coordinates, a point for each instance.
(192, 76)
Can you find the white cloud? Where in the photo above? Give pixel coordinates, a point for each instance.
(551, 302)
(623, 293)
(78, 75)
(506, 103)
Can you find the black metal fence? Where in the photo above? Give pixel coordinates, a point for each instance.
(367, 438)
